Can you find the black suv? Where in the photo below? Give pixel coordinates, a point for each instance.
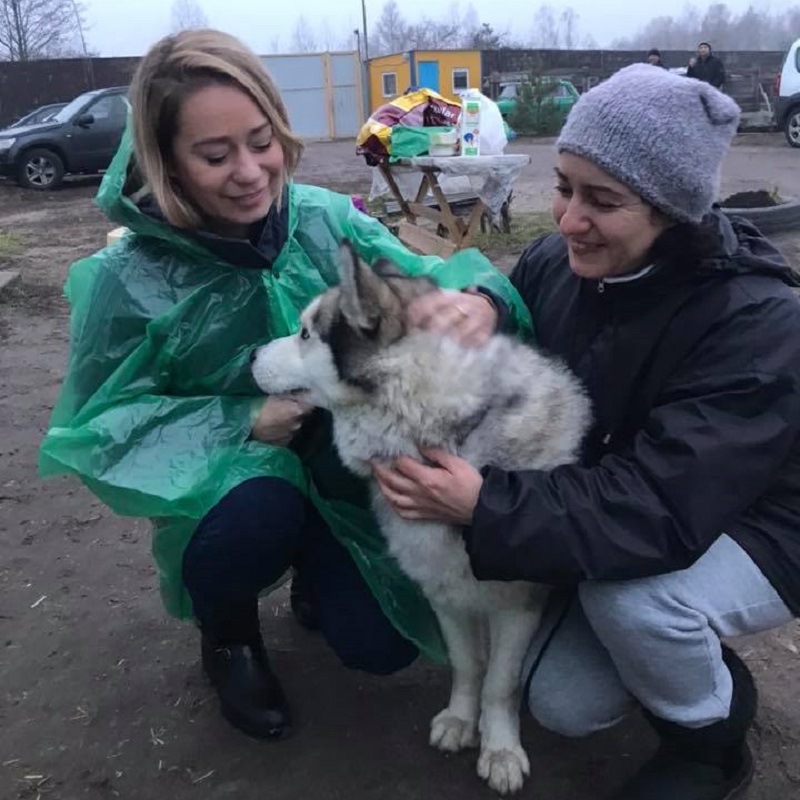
(81, 138)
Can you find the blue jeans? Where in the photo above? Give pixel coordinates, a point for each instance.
(653, 642)
(250, 539)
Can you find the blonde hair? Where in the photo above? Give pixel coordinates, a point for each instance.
(172, 70)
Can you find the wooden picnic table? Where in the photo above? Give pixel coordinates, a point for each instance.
(489, 170)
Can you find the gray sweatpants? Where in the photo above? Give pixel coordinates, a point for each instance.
(651, 641)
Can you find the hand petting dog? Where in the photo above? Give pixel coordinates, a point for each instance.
(446, 492)
(470, 317)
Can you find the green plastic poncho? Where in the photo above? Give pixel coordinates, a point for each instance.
(156, 407)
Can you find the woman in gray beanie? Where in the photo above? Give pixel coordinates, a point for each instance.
(681, 524)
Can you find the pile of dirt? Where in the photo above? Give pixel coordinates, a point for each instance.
(759, 199)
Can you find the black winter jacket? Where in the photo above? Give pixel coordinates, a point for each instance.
(694, 375)
(709, 69)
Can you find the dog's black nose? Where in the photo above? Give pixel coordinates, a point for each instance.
(253, 355)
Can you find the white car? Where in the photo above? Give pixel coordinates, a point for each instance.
(787, 91)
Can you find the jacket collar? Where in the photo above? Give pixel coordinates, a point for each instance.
(633, 276)
(742, 250)
(258, 251)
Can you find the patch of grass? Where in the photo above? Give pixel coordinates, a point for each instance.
(525, 227)
(10, 245)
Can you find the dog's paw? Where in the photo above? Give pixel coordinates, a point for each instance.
(504, 770)
(451, 734)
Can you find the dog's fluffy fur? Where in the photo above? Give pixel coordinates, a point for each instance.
(391, 390)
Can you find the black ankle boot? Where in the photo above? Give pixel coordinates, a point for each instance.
(303, 607)
(251, 698)
(710, 763)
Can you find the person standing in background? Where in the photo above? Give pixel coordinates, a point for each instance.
(654, 58)
(707, 67)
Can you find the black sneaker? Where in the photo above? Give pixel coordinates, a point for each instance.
(251, 698)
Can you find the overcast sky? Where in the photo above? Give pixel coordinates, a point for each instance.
(128, 27)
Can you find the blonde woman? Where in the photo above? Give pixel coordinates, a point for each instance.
(159, 415)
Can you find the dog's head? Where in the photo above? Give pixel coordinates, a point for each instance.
(332, 357)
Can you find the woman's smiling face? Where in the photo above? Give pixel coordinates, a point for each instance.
(225, 158)
(608, 228)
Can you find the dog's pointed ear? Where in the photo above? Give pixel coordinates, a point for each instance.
(359, 286)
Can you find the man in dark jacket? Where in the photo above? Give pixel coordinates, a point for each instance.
(654, 58)
(681, 523)
(707, 67)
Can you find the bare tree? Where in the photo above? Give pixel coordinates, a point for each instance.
(570, 20)
(391, 33)
(470, 25)
(331, 38)
(486, 38)
(689, 24)
(347, 42)
(304, 39)
(74, 50)
(752, 30)
(552, 30)
(788, 27)
(716, 26)
(546, 32)
(31, 29)
(187, 15)
(431, 34)
(457, 28)
(663, 32)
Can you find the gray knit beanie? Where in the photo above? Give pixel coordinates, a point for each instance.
(661, 134)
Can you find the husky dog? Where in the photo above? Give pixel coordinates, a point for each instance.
(391, 390)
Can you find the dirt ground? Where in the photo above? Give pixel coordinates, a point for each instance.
(101, 694)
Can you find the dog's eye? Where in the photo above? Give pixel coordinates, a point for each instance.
(304, 333)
